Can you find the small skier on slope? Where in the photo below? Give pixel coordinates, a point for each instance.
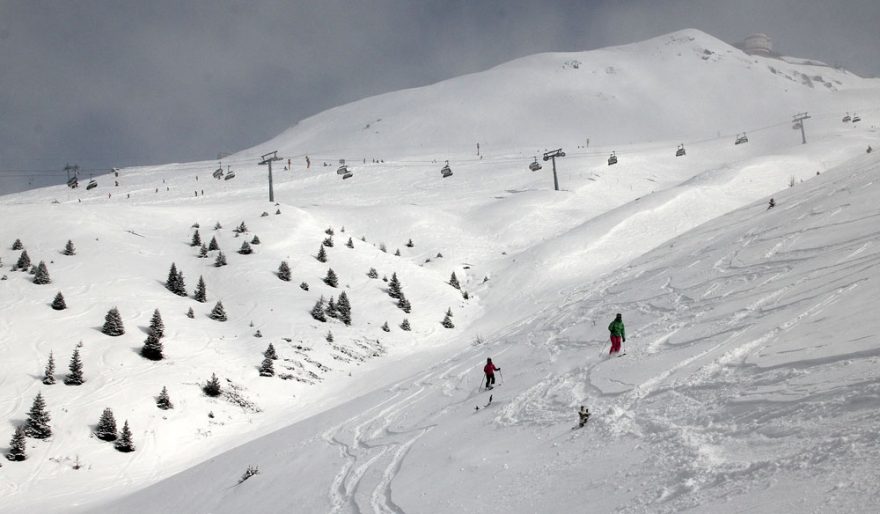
(618, 333)
(489, 369)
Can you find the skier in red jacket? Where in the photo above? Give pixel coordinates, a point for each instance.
(489, 369)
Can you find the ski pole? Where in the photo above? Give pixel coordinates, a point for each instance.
(500, 374)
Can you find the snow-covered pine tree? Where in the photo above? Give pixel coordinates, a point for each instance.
(245, 248)
(349, 243)
(331, 308)
(403, 304)
(152, 348)
(329, 336)
(395, 290)
(242, 228)
(255, 240)
(24, 261)
(212, 387)
(270, 352)
(69, 249)
(449, 312)
(172, 282)
(373, 273)
(331, 279)
(409, 244)
(385, 327)
(267, 368)
(212, 245)
(18, 445)
(304, 286)
(42, 274)
(190, 314)
(106, 429)
(181, 285)
(163, 401)
(49, 373)
(453, 281)
(318, 310)
(447, 321)
(397, 252)
(113, 323)
(322, 255)
(217, 226)
(75, 376)
(343, 309)
(284, 271)
(218, 313)
(156, 325)
(220, 260)
(203, 252)
(200, 295)
(329, 231)
(405, 325)
(383, 248)
(196, 239)
(37, 423)
(58, 303)
(328, 242)
(125, 443)
(16, 245)
(464, 294)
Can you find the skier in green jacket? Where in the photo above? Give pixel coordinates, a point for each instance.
(618, 333)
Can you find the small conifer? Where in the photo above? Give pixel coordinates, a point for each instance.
(304, 286)
(284, 271)
(245, 248)
(152, 348)
(395, 290)
(373, 273)
(16, 245)
(343, 309)
(196, 239)
(49, 373)
(212, 245)
(157, 327)
(69, 249)
(328, 242)
(163, 401)
(212, 387)
(453, 281)
(220, 260)
(270, 352)
(218, 313)
(385, 327)
(190, 314)
(113, 323)
(58, 303)
(18, 445)
(203, 252)
(322, 255)
(42, 274)
(409, 244)
(267, 368)
(329, 231)
(125, 443)
(75, 377)
(397, 252)
(217, 226)
(37, 423)
(349, 243)
(24, 261)
(318, 310)
(331, 279)
(255, 240)
(331, 308)
(329, 336)
(447, 321)
(405, 325)
(200, 295)
(106, 429)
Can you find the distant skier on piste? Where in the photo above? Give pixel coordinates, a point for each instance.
(489, 369)
(618, 333)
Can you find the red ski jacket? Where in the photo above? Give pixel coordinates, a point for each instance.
(490, 369)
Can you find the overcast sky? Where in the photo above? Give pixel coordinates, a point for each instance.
(109, 83)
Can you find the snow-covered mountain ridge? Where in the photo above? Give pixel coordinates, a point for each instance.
(373, 416)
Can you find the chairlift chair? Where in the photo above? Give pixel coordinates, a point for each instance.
(229, 175)
(741, 138)
(73, 183)
(92, 184)
(680, 151)
(612, 159)
(342, 170)
(446, 171)
(347, 175)
(846, 118)
(856, 118)
(218, 173)
(535, 166)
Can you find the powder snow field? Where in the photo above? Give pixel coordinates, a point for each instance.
(750, 382)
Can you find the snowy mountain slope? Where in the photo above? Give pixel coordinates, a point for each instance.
(672, 87)
(517, 246)
(750, 384)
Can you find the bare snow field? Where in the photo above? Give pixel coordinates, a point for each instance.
(750, 381)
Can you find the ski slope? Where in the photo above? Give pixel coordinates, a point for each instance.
(749, 378)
